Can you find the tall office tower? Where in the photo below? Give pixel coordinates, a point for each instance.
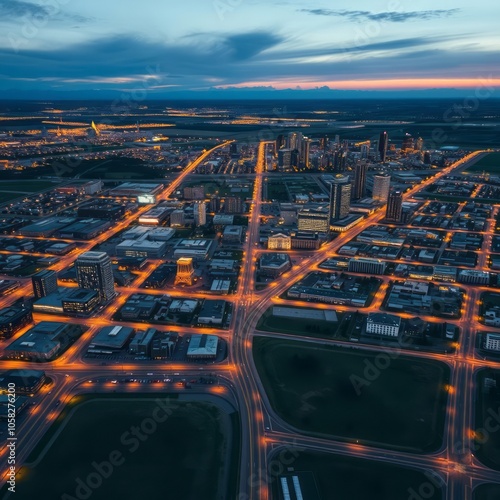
(340, 161)
(359, 188)
(381, 186)
(340, 197)
(294, 140)
(94, 272)
(419, 144)
(336, 140)
(284, 159)
(382, 146)
(394, 206)
(200, 213)
(233, 149)
(280, 142)
(304, 152)
(44, 283)
(323, 143)
(365, 149)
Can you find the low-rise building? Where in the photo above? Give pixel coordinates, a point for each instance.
(203, 347)
(25, 381)
(383, 324)
(141, 248)
(279, 241)
(44, 341)
(13, 319)
(212, 312)
(274, 264)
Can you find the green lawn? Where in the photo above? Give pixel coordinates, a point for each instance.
(487, 492)
(28, 186)
(347, 478)
(490, 163)
(397, 402)
(487, 437)
(186, 448)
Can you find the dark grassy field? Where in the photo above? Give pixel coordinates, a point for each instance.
(490, 163)
(487, 492)
(487, 437)
(396, 403)
(347, 478)
(186, 448)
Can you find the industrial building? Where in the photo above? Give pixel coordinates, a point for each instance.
(155, 216)
(212, 312)
(367, 266)
(203, 347)
(44, 341)
(112, 338)
(141, 248)
(197, 249)
(26, 381)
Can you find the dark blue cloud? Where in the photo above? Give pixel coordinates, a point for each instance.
(390, 16)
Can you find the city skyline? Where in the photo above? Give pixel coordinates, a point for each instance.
(233, 46)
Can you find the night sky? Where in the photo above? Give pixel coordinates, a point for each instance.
(202, 44)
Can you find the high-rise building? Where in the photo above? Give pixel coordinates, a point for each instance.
(280, 142)
(44, 283)
(200, 213)
(94, 272)
(382, 146)
(359, 187)
(381, 186)
(340, 160)
(304, 152)
(284, 159)
(214, 205)
(340, 197)
(394, 206)
(294, 140)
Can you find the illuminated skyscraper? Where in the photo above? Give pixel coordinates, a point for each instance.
(381, 186)
(394, 207)
(359, 188)
(340, 198)
(200, 213)
(94, 272)
(382, 146)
